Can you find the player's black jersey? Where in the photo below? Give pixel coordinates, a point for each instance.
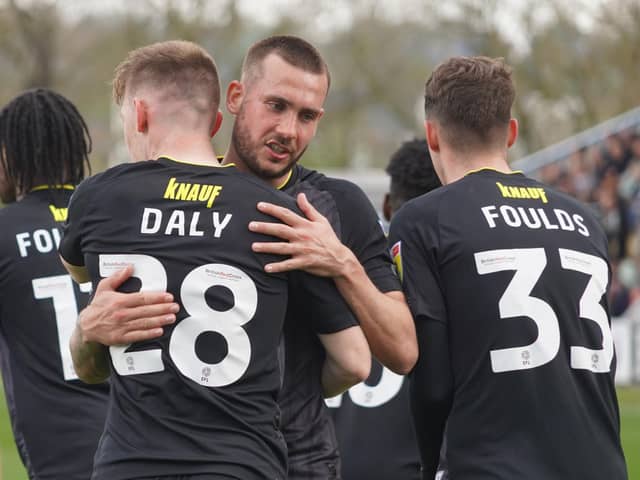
(307, 426)
(202, 398)
(516, 274)
(374, 429)
(56, 419)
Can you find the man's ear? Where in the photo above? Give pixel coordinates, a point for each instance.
(433, 140)
(513, 132)
(216, 124)
(386, 207)
(235, 95)
(142, 115)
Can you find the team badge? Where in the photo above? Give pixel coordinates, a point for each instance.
(396, 254)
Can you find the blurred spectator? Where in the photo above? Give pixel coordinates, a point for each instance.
(614, 155)
(581, 175)
(613, 213)
(619, 295)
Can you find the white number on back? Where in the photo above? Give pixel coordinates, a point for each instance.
(202, 318)
(529, 263)
(152, 276)
(59, 288)
(371, 396)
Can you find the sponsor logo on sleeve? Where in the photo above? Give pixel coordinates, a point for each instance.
(396, 254)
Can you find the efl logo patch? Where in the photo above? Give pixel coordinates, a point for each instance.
(396, 254)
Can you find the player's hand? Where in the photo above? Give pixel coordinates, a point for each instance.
(114, 318)
(310, 242)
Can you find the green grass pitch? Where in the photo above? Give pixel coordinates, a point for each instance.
(12, 469)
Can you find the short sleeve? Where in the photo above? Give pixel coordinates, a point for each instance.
(323, 308)
(413, 243)
(362, 232)
(70, 246)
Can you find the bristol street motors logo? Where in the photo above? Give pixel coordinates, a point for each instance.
(396, 254)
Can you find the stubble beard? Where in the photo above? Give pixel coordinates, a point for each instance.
(247, 152)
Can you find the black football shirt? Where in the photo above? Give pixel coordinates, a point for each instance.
(507, 282)
(374, 428)
(202, 398)
(307, 424)
(56, 419)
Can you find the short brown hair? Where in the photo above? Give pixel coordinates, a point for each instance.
(180, 64)
(293, 50)
(471, 97)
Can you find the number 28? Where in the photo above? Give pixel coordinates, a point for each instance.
(202, 318)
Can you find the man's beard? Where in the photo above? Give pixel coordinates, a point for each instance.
(247, 152)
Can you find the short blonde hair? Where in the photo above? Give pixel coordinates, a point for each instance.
(182, 65)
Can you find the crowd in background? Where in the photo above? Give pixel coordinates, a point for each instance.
(606, 176)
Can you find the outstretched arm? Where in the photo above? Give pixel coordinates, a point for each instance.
(314, 247)
(114, 318)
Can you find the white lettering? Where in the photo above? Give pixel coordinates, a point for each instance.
(43, 241)
(23, 242)
(218, 225)
(564, 220)
(582, 229)
(547, 224)
(193, 227)
(56, 236)
(151, 214)
(510, 216)
(176, 222)
(534, 222)
(489, 215)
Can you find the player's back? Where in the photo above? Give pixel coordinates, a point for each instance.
(56, 419)
(202, 398)
(523, 271)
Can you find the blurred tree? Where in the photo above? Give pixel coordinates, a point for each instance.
(575, 62)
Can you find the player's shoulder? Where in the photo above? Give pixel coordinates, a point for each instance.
(340, 186)
(10, 210)
(110, 174)
(345, 193)
(425, 205)
(263, 190)
(16, 212)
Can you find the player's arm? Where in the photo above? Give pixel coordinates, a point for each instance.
(78, 272)
(115, 318)
(348, 358)
(431, 392)
(347, 361)
(431, 385)
(314, 247)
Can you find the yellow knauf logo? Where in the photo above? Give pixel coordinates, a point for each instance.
(59, 214)
(192, 192)
(533, 193)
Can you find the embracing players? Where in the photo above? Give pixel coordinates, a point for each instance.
(200, 400)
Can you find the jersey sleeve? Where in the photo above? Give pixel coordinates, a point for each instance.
(71, 243)
(413, 247)
(362, 232)
(323, 306)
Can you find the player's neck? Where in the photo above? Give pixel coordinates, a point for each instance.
(184, 148)
(460, 165)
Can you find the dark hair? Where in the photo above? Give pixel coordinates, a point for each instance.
(293, 50)
(43, 139)
(411, 171)
(185, 66)
(471, 97)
